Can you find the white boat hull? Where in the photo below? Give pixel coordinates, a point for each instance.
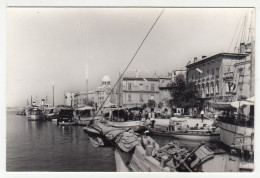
(135, 125)
(236, 135)
(197, 137)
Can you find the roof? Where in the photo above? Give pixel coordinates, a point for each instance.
(106, 79)
(236, 55)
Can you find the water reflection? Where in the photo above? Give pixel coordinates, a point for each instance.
(44, 146)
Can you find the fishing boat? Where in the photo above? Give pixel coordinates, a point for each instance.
(179, 128)
(36, 114)
(84, 115)
(124, 118)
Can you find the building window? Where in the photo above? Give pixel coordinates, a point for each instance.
(129, 97)
(207, 72)
(212, 71)
(213, 62)
(192, 77)
(152, 87)
(129, 86)
(141, 86)
(241, 71)
(141, 98)
(217, 70)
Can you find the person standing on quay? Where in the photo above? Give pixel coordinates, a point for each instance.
(202, 115)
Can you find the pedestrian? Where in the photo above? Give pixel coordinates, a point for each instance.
(202, 115)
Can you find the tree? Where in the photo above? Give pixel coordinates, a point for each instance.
(151, 103)
(160, 105)
(184, 93)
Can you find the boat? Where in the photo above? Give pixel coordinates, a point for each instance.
(140, 153)
(84, 115)
(65, 115)
(179, 128)
(22, 113)
(237, 129)
(50, 113)
(36, 114)
(124, 118)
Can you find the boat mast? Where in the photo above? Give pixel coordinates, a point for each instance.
(53, 94)
(252, 65)
(86, 83)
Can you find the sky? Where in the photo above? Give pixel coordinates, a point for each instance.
(51, 46)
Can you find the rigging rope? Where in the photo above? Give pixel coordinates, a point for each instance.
(235, 33)
(128, 64)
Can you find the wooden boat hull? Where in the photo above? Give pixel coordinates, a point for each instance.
(137, 126)
(236, 135)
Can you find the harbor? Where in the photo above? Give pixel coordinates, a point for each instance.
(133, 111)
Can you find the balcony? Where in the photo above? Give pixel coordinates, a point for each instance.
(228, 76)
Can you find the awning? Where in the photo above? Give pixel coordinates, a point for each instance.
(252, 99)
(238, 104)
(222, 105)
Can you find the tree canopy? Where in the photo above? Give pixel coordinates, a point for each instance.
(184, 93)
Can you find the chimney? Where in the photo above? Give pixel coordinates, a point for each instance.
(242, 48)
(204, 57)
(195, 59)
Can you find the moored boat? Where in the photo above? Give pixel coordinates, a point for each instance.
(50, 113)
(135, 153)
(179, 128)
(124, 118)
(236, 128)
(84, 115)
(35, 114)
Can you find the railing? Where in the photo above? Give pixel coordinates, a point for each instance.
(228, 75)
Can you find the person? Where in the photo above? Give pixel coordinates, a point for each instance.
(196, 127)
(146, 115)
(202, 115)
(152, 123)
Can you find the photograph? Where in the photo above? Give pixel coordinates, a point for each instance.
(130, 89)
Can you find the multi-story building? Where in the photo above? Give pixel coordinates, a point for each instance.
(214, 75)
(164, 92)
(138, 87)
(69, 99)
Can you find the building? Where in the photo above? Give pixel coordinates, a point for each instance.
(69, 99)
(164, 92)
(138, 87)
(104, 91)
(174, 73)
(214, 75)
